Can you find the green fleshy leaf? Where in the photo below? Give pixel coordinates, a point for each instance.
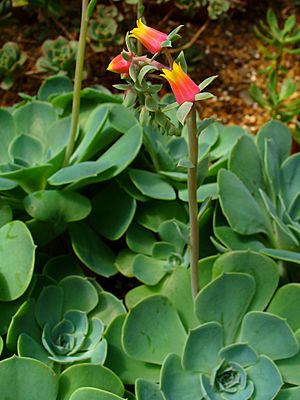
(177, 383)
(148, 270)
(127, 368)
(247, 219)
(146, 330)
(152, 185)
(262, 269)
(226, 300)
(16, 267)
(201, 352)
(71, 286)
(108, 308)
(93, 394)
(29, 347)
(240, 353)
(17, 372)
(290, 367)
(264, 332)
(289, 394)
(57, 206)
(146, 390)
(266, 378)
(92, 250)
(49, 306)
(285, 304)
(113, 211)
(88, 375)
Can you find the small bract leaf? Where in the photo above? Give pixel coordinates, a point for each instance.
(183, 111)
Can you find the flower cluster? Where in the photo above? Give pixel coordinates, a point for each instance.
(183, 87)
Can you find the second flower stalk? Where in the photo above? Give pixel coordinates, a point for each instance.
(186, 93)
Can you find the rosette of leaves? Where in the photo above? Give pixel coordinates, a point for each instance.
(102, 30)
(11, 60)
(259, 196)
(149, 259)
(242, 347)
(59, 57)
(59, 327)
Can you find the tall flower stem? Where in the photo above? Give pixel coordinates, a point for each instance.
(139, 14)
(192, 194)
(78, 80)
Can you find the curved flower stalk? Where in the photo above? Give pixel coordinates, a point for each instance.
(268, 188)
(64, 324)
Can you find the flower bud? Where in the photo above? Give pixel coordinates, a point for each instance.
(119, 65)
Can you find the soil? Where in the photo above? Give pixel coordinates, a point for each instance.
(226, 47)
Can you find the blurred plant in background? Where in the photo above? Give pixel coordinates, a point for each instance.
(11, 59)
(59, 57)
(103, 28)
(279, 97)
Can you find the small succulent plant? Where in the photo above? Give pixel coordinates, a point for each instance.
(150, 259)
(62, 325)
(102, 30)
(59, 57)
(243, 346)
(11, 59)
(5, 8)
(268, 188)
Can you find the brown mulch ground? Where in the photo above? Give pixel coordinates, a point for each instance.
(227, 48)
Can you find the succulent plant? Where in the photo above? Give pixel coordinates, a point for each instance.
(11, 59)
(243, 346)
(268, 187)
(60, 327)
(5, 8)
(102, 30)
(148, 259)
(59, 56)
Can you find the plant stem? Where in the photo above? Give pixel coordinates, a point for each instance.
(78, 81)
(139, 14)
(192, 193)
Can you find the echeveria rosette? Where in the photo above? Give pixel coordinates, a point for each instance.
(62, 326)
(239, 349)
(149, 259)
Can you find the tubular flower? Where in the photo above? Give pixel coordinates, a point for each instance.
(183, 87)
(119, 65)
(149, 37)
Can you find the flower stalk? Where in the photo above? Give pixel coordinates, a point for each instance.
(192, 196)
(78, 80)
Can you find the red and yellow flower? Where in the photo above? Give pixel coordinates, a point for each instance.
(149, 37)
(183, 87)
(119, 65)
